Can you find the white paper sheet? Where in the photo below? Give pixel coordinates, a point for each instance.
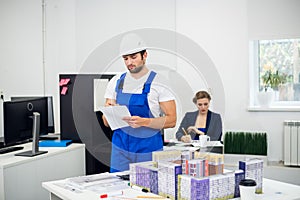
(114, 116)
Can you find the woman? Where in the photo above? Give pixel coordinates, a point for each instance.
(200, 122)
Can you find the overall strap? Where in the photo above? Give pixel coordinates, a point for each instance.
(120, 82)
(147, 84)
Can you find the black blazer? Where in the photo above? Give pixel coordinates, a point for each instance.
(213, 125)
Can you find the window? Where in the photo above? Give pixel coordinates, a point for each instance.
(279, 68)
(276, 69)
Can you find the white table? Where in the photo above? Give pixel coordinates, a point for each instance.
(59, 192)
(211, 146)
(22, 177)
(273, 190)
(276, 190)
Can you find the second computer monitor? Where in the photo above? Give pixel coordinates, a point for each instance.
(18, 119)
(51, 124)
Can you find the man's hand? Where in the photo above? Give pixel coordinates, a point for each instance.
(136, 121)
(108, 102)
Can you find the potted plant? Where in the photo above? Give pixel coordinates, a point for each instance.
(250, 143)
(243, 145)
(271, 80)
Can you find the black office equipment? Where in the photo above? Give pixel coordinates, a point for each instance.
(17, 117)
(49, 137)
(10, 149)
(51, 122)
(80, 123)
(35, 135)
(23, 120)
(125, 177)
(1, 142)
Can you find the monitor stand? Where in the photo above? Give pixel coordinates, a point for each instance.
(35, 142)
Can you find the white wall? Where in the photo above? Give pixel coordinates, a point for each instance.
(76, 27)
(21, 70)
(21, 47)
(273, 19)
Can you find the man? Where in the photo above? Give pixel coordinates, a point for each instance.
(147, 95)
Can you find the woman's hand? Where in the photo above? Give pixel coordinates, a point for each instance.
(186, 138)
(195, 130)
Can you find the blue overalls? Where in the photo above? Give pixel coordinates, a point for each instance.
(131, 145)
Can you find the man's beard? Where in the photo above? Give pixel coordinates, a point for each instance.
(136, 69)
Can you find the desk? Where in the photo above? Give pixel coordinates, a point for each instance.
(212, 146)
(22, 177)
(59, 193)
(274, 190)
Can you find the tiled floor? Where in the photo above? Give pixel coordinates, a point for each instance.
(283, 173)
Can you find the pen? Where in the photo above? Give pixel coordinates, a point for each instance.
(139, 188)
(184, 131)
(111, 194)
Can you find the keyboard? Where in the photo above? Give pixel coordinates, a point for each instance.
(9, 149)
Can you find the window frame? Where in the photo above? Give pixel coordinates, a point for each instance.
(254, 105)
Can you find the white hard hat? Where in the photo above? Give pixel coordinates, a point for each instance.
(132, 43)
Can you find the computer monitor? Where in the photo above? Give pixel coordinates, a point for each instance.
(18, 121)
(51, 124)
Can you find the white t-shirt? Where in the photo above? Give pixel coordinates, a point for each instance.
(159, 91)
